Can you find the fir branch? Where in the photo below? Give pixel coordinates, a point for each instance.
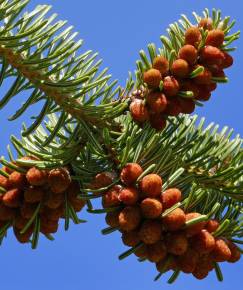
(44, 55)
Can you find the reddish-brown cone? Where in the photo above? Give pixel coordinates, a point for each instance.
(129, 195)
(112, 219)
(221, 251)
(152, 78)
(211, 55)
(111, 197)
(176, 243)
(196, 228)
(161, 63)
(139, 111)
(205, 262)
(17, 180)
(200, 273)
(204, 93)
(130, 239)
(52, 214)
(220, 74)
(23, 238)
(212, 226)
(33, 194)
(20, 222)
(4, 182)
(130, 172)
(170, 197)
(235, 253)
(174, 220)
(48, 226)
(151, 208)
(193, 36)
(78, 204)
(142, 252)
(215, 37)
(180, 68)
(188, 85)
(103, 179)
(150, 231)
(210, 87)
(27, 210)
(173, 108)
(157, 102)
(204, 78)
(36, 176)
(156, 252)
(6, 213)
(188, 261)
(157, 121)
(171, 86)
(59, 179)
(187, 105)
(189, 53)
(203, 242)
(53, 201)
(151, 185)
(12, 198)
(206, 23)
(129, 218)
(228, 60)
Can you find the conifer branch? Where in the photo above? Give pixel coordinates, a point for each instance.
(43, 58)
(84, 137)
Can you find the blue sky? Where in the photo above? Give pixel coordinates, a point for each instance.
(82, 258)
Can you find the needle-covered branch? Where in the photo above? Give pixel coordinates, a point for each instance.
(43, 57)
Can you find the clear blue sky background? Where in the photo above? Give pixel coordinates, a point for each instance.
(82, 258)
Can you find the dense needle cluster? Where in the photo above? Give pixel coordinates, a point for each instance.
(192, 76)
(36, 196)
(171, 238)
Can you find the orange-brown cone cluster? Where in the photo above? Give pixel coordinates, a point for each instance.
(165, 83)
(166, 239)
(36, 190)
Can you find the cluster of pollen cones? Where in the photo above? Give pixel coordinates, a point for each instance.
(199, 66)
(36, 195)
(157, 229)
